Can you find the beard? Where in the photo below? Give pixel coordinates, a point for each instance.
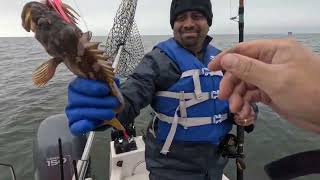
(191, 38)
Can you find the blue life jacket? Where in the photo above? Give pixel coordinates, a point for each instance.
(189, 111)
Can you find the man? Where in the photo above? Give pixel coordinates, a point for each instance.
(190, 122)
(280, 73)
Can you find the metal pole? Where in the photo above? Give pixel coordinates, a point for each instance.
(13, 174)
(83, 162)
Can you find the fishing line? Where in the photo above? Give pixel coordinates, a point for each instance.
(80, 13)
(230, 8)
(232, 17)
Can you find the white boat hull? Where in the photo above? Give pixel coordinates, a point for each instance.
(130, 165)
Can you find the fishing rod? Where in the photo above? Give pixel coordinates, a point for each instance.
(239, 154)
(232, 146)
(240, 129)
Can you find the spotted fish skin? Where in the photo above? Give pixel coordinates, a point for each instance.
(67, 44)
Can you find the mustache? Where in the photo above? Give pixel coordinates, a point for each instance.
(189, 30)
(182, 32)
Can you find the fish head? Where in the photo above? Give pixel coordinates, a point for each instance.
(57, 36)
(33, 14)
(36, 14)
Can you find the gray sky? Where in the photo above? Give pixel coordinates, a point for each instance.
(152, 16)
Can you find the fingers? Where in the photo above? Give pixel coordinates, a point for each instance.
(246, 116)
(252, 96)
(83, 126)
(235, 103)
(245, 121)
(263, 50)
(236, 100)
(227, 85)
(215, 64)
(92, 114)
(248, 69)
(89, 87)
(245, 111)
(76, 99)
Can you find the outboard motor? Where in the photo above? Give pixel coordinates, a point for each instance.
(46, 149)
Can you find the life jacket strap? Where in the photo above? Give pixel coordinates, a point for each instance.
(185, 121)
(187, 96)
(202, 71)
(194, 121)
(152, 128)
(172, 132)
(187, 100)
(197, 85)
(183, 106)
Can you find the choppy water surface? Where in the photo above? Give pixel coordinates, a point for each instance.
(23, 107)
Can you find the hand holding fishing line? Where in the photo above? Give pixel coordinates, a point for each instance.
(279, 73)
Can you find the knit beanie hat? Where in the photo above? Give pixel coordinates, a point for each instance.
(180, 6)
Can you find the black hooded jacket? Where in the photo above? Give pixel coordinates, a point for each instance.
(156, 72)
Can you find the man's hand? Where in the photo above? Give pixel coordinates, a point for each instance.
(280, 73)
(89, 105)
(246, 117)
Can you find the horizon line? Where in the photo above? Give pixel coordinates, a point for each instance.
(278, 33)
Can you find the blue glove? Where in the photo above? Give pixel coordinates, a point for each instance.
(89, 104)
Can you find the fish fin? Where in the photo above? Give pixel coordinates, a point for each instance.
(109, 74)
(100, 56)
(45, 72)
(96, 51)
(70, 12)
(108, 71)
(117, 93)
(83, 41)
(91, 45)
(80, 48)
(87, 36)
(115, 123)
(58, 7)
(66, 6)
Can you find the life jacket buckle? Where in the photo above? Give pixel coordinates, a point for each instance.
(214, 94)
(199, 96)
(183, 108)
(216, 119)
(204, 71)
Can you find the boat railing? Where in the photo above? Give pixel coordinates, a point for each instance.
(10, 169)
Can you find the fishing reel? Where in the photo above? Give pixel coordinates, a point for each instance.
(124, 143)
(228, 148)
(116, 134)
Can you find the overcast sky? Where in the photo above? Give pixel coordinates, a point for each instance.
(152, 16)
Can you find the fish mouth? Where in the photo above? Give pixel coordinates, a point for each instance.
(27, 22)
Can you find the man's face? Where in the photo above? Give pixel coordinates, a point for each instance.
(190, 29)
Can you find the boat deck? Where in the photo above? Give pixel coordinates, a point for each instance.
(133, 165)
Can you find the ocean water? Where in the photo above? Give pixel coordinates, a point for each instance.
(23, 107)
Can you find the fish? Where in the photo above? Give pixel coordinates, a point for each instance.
(55, 27)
